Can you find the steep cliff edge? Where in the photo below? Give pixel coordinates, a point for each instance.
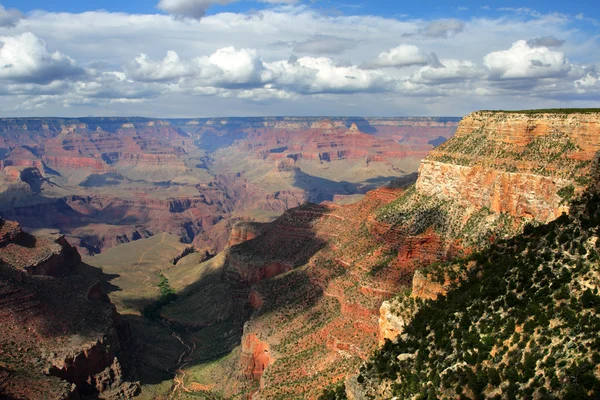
(500, 171)
(60, 336)
(318, 275)
(521, 322)
(514, 163)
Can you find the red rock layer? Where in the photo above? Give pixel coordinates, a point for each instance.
(521, 129)
(255, 357)
(326, 142)
(342, 262)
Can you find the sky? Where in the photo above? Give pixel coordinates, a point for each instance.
(211, 58)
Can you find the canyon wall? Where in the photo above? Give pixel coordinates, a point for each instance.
(113, 180)
(513, 164)
(60, 336)
(318, 275)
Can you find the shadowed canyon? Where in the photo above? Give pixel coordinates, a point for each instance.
(280, 258)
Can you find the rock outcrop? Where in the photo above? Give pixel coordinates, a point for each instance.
(255, 357)
(47, 256)
(319, 274)
(60, 336)
(425, 288)
(516, 165)
(243, 231)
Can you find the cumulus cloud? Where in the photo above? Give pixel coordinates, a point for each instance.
(545, 41)
(405, 55)
(243, 69)
(314, 75)
(10, 18)
(195, 9)
(443, 28)
(228, 67)
(522, 61)
(178, 61)
(25, 58)
(170, 68)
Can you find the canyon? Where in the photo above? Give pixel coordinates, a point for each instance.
(293, 281)
(291, 307)
(476, 323)
(108, 181)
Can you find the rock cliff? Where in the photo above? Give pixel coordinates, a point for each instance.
(319, 274)
(513, 163)
(519, 322)
(500, 171)
(60, 336)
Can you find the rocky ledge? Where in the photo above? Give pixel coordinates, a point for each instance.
(60, 336)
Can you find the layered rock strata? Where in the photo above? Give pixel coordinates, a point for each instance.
(60, 336)
(522, 167)
(319, 274)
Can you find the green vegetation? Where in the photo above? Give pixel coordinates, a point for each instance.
(167, 295)
(523, 322)
(566, 193)
(135, 265)
(414, 213)
(384, 262)
(337, 393)
(187, 251)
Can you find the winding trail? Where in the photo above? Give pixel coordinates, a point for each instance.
(182, 362)
(148, 249)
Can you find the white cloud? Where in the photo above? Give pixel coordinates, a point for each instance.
(405, 55)
(243, 69)
(25, 58)
(522, 61)
(145, 70)
(10, 18)
(590, 80)
(226, 67)
(115, 85)
(312, 75)
(195, 9)
(229, 67)
(229, 63)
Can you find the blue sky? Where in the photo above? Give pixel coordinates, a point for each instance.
(292, 57)
(416, 9)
